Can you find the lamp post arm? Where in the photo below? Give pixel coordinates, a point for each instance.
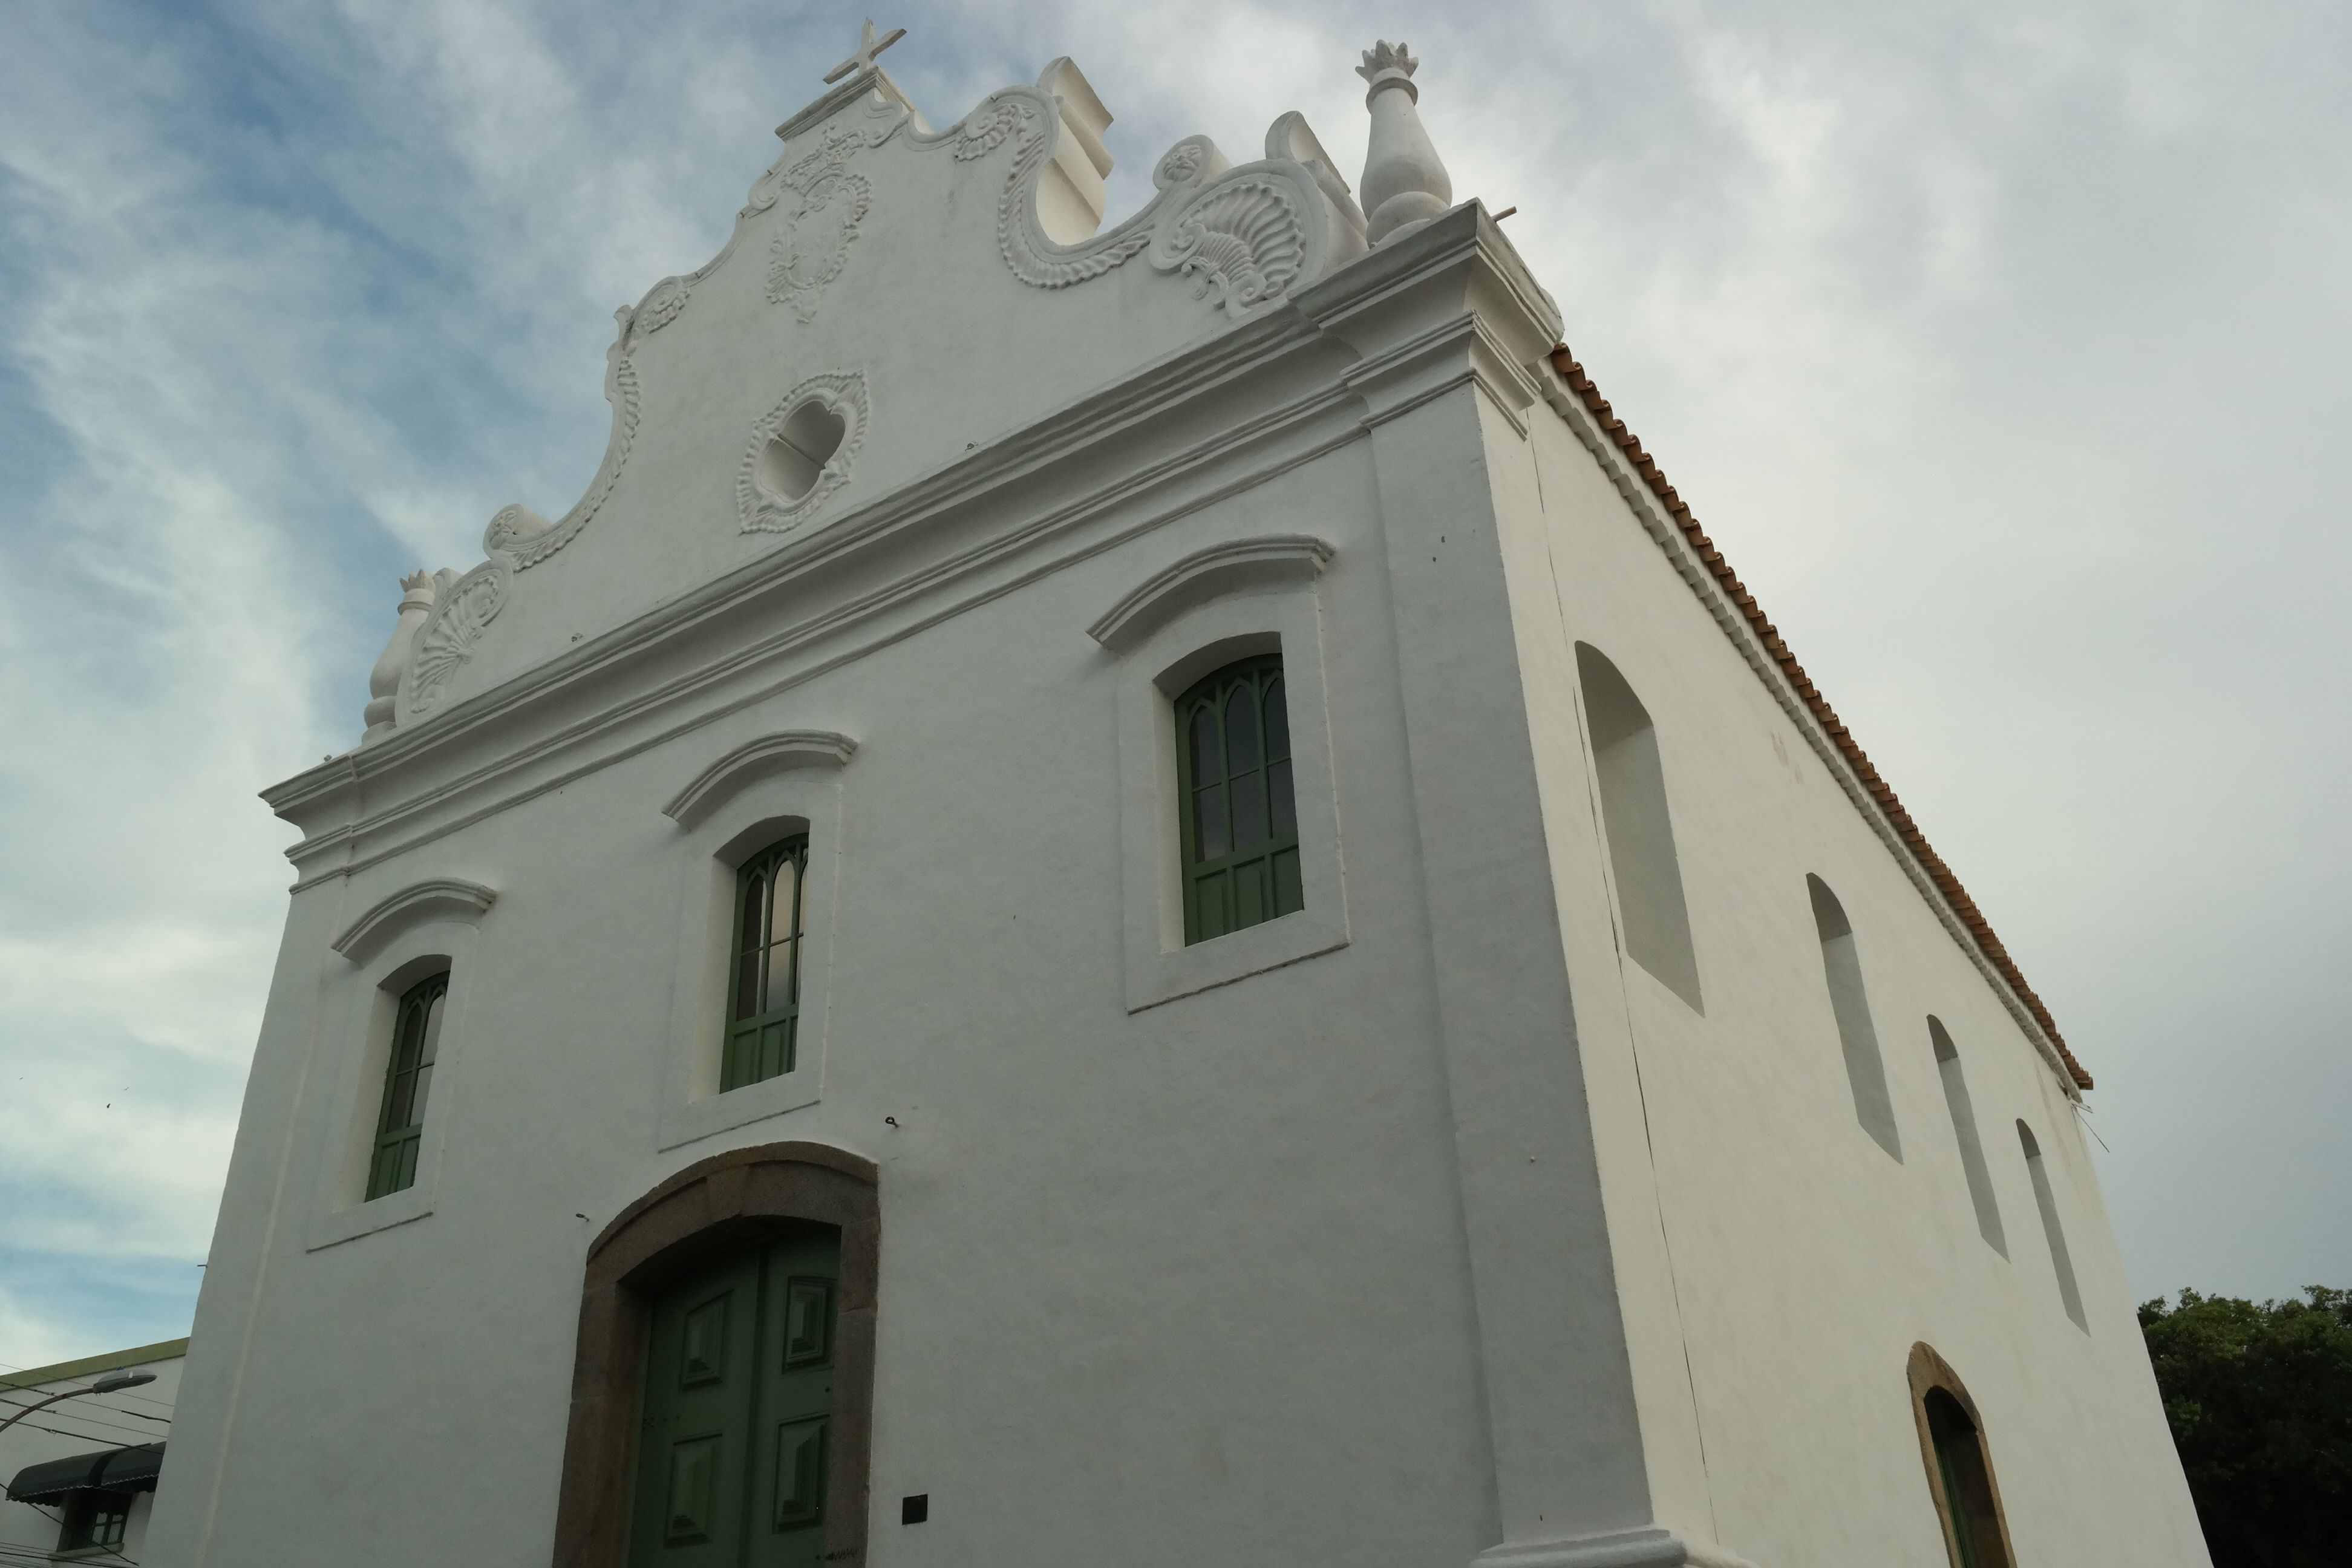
(42, 1405)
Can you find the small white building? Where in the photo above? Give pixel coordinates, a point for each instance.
(1137, 896)
(77, 1473)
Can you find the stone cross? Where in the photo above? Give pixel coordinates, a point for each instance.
(862, 57)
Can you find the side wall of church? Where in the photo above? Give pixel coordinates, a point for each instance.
(1776, 1261)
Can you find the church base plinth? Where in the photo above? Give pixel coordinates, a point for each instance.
(1620, 1549)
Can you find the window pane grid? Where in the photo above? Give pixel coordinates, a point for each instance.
(763, 1004)
(408, 1075)
(1240, 827)
(94, 1518)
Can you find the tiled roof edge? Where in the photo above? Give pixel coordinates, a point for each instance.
(64, 1371)
(1971, 917)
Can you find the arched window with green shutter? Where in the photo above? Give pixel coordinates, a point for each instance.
(763, 997)
(1240, 816)
(407, 1074)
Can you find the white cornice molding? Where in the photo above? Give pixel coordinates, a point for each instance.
(1447, 305)
(1294, 420)
(1019, 476)
(1009, 465)
(757, 759)
(1734, 623)
(1286, 434)
(436, 898)
(1269, 558)
(1463, 237)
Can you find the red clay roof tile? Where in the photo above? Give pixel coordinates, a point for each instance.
(1948, 885)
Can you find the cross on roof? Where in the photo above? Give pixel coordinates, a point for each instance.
(869, 45)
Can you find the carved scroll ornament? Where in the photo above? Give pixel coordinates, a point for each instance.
(451, 629)
(1245, 236)
(1249, 234)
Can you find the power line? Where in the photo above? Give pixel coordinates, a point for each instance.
(103, 1435)
(37, 1389)
(9, 1554)
(10, 1366)
(92, 1421)
(164, 1404)
(144, 1438)
(80, 1409)
(140, 1398)
(10, 1403)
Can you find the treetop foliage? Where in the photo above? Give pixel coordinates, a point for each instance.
(2259, 1400)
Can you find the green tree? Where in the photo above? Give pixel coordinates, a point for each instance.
(2260, 1399)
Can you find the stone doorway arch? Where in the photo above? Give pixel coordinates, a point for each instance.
(740, 1198)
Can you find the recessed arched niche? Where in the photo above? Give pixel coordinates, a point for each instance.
(1638, 827)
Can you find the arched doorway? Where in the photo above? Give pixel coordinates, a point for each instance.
(1960, 1465)
(722, 1392)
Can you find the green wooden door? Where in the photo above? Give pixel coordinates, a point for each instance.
(733, 1457)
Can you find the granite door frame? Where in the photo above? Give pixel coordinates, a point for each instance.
(1929, 1371)
(740, 1198)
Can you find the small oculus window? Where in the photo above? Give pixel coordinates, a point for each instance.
(408, 1073)
(790, 462)
(763, 993)
(1239, 815)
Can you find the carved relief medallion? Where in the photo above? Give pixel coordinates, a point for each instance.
(661, 305)
(819, 204)
(812, 236)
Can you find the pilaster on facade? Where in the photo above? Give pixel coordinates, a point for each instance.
(1441, 333)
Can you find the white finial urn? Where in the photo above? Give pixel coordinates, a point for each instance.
(418, 592)
(1405, 183)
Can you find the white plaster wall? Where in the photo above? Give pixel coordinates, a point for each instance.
(1746, 1202)
(1190, 1274)
(955, 352)
(1310, 1266)
(103, 1421)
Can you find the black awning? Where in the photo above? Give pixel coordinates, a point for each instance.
(132, 1469)
(109, 1470)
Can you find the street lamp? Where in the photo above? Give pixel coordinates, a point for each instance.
(110, 1384)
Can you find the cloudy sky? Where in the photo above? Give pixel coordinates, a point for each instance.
(2005, 346)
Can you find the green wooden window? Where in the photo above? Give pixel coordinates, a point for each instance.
(1240, 806)
(763, 998)
(400, 1127)
(94, 1520)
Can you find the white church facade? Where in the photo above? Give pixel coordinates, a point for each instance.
(1136, 895)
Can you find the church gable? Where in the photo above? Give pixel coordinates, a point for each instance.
(892, 298)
